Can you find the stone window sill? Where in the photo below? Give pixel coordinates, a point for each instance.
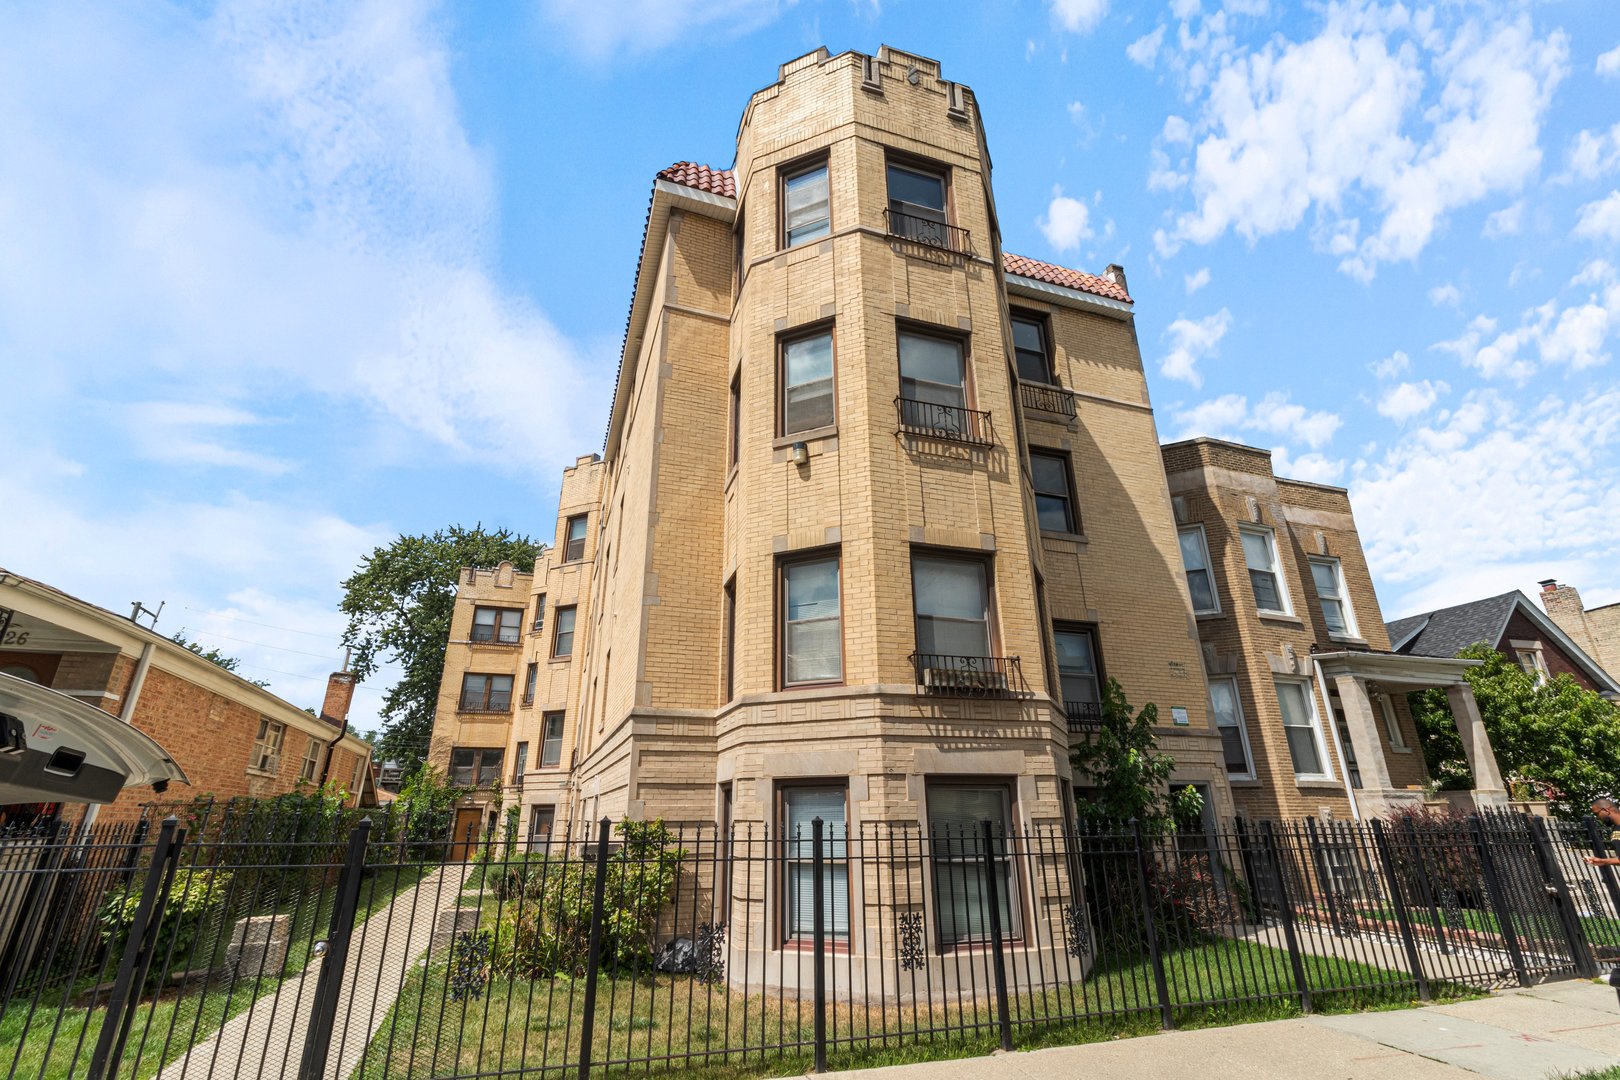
(1279, 617)
(829, 431)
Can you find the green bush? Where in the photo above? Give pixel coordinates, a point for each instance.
(195, 905)
(547, 931)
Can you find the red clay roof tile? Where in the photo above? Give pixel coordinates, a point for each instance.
(693, 175)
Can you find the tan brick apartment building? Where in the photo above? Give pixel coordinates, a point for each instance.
(231, 738)
(1596, 630)
(1308, 695)
(882, 505)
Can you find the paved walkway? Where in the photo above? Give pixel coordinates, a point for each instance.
(265, 1041)
(1536, 1034)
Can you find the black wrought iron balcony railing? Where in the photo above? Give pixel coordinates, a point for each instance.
(484, 635)
(1052, 399)
(927, 231)
(967, 676)
(1084, 716)
(927, 420)
(492, 703)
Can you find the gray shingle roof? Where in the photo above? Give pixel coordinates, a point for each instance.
(1449, 631)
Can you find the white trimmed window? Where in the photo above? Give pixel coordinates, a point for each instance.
(1328, 574)
(1265, 571)
(1532, 659)
(1392, 722)
(266, 755)
(1228, 711)
(551, 738)
(1200, 578)
(1304, 730)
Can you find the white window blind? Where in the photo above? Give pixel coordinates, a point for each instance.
(800, 808)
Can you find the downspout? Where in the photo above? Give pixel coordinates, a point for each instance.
(126, 713)
(1332, 725)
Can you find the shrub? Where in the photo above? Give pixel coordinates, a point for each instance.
(196, 901)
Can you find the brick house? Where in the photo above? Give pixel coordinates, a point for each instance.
(1307, 691)
(1596, 631)
(231, 738)
(1511, 625)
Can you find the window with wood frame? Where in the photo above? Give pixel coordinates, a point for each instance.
(805, 375)
(1031, 348)
(562, 636)
(501, 625)
(574, 538)
(1053, 480)
(798, 807)
(811, 633)
(806, 203)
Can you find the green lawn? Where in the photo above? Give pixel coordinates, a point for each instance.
(170, 1021)
(673, 1022)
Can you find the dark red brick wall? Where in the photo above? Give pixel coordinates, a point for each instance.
(1520, 628)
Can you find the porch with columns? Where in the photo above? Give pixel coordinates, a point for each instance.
(1359, 676)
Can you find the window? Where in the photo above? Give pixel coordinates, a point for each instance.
(1077, 672)
(805, 210)
(1029, 346)
(359, 772)
(530, 678)
(520, 762)
(736, 418)
(1228, 710)
(1200, 579)
(730, 601)
(574, 546)
(1392, 722)
(539, 614)
(800, 807)
(20, 671)
(812, 627)
(475, 766)
(542, 819)
(807, 383)
(497, 624)
(266, 755)
(1304, 733)
(917, 204)
(955, 814)
(951, 600)
(1532, 659)
(1054, 488)
(1336, 610)
(486, 693)
(1260, 552)
(562, 640)
(932, 370)
(551, 731)
(311, 762)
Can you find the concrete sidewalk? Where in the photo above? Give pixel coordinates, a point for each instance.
(1536, 1034)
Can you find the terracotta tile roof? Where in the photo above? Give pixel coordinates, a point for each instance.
(693, 175)
(1053, 274)
(724, 182)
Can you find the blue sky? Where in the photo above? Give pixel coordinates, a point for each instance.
(279, 281)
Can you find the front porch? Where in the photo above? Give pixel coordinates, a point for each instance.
(1353, 681)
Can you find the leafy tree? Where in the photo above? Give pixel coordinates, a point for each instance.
(1558, 737)
(399, 603)
(1128, 775)
(429, 803)
(213, 656)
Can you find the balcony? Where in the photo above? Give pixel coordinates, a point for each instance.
(1085, 717)
(928, 232)
(967, 676)
(494, 703)
(488, 635)
(925, 419)
(1052, 399)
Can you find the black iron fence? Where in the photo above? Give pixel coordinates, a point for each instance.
(342, 948)
(949, 423)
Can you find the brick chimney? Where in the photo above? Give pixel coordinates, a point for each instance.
(339, 695)
(1562, 603)
(1116, 274)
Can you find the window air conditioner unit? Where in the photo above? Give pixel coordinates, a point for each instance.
(939, 680)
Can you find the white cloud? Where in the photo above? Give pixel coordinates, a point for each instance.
(1312, 467)
(1067, 222)
(1176, 130)
(1446, 295)
(1197, 279)
(1600, 220)
(1539, 481)
(1343, 123)
(1219, 417)
(1594, 153)
(1608, 63)
(1403, 401)
(1504, 222)
(1190, 341)
(602, 30)
(1145, 49)
(1078, 16)
(1574, 334)
(1392, 365)
(1229, 415)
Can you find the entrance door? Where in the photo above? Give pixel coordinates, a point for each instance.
(465, 837)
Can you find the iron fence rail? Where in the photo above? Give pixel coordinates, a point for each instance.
(236, 942)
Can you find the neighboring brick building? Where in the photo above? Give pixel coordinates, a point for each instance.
(1511, 625)
(880, 505)
(231, 738)
(1595, 630)
(1292, 633)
